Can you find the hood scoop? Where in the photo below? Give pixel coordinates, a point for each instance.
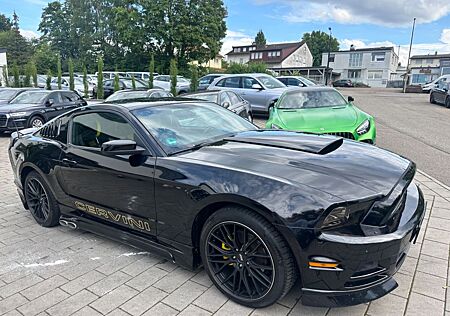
(314, 144)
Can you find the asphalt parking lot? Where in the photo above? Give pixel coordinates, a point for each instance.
(63, 272)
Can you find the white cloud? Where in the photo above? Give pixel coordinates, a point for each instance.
(445, 36)
(29, 34)
(235, 38)
(381, 12)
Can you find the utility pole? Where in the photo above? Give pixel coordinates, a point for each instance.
(328, 59)
(405, 81)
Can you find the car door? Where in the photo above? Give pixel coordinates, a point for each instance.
(124, 194)
(237, 104)
(256, 97)
(439, 92)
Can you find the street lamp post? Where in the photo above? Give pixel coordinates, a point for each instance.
(409, 56)
(328, 59)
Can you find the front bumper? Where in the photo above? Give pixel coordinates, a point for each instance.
(366, 264)
(12, 124)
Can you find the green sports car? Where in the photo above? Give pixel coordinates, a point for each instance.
(321, 110)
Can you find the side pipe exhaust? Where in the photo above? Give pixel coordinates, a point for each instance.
(66, 223)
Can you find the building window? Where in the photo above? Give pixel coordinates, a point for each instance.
(331, 58)
(252, 48)
(252, 56)
(378, 56)
(375, 74)
(257, 55)
(244, 49)
(429, 61)
(355, 60)
(417, 61)
(354, 74)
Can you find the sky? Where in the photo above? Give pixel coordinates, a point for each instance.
(364, 23)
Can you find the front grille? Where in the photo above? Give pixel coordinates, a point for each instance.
(3, 120)
(342, 134)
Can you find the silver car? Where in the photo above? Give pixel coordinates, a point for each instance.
(260, 90)
(163, 82)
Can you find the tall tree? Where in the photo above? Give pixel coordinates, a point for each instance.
(173, 76)
(16, 76)
(46, 58)
(194, 78)
(71, 79)
(48, 81)
(151, 70)
(34, 73)
(116, 82)
(260, 39)
(85, 82)
(18, 49)
(133, 82)
(5, 23)
(15, 22)
(320, 42)
(27, 78)
(59, 71)
(100, 92)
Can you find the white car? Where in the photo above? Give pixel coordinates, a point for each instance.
(435, 83)
(163, 82)
(78, 83)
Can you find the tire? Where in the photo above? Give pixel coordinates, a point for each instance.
(447, 103)
(44, 209)
(36, 121)
(432, 100)
(265, 268)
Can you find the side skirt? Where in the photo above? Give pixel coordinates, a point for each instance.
(183, 257)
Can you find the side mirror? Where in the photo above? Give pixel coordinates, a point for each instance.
(226, 104)
(257, 86)
(49, 102)
(121, 147)
(350, 99)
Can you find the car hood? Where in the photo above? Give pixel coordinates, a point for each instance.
(12, 107)
(345, 169)
(319, 119)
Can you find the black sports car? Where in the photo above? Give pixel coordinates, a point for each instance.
(35, 107)
(258, 209)
(227, 99)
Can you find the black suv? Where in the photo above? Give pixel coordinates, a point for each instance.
(35, 107)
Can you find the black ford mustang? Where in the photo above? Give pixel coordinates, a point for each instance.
(202, 186)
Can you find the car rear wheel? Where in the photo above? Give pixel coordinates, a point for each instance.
(447, 103)
(246, 257)
(432, 100)
(36, 122)
(40, 200)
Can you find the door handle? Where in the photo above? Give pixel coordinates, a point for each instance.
(69, 162)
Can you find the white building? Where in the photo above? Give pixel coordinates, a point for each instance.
(280, 56)
(426, 68)
(372, 66)
(3, 64)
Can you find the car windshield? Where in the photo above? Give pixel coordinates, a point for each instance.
(180, 127)
(212, 97)
(127, 95)
(311, 99)
(129, 84)
(270, 82)
(181, 79)
(78, 81)
(33, 97)
(7, 94)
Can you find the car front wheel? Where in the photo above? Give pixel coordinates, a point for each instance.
(36, 122)
(246, 257)
(432, 100)
(447, 103)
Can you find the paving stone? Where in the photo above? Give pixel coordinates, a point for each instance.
(118, 312)
(109, 283)
(434, 234)
(274, 310)
(72, 304)
(43, 287)
(87, 311)
(429, 285)
(211, 300)
(202, 278)
(440, 212)
(19, 285)
(12, 302)
(440, 223)
(356, 310)
(173, 280)
(409, 266)
(192, 310)
(435, 249)
(421, 305)
(140, 266)
(161, 309)
(43, 302)
(184, 295)
(146, 278)
(232, 308)
(389, 305)
(82, 282)
(143, 301)
(113, 299)
(432, 265)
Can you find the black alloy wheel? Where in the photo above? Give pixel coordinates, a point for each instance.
(246, 257)
(40, 200)
(240, 260)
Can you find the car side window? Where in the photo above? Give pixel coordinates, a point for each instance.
(295, 82)
(249, 82)
(108, 83)
(233, 98)
(224, 98)
(232, 82)
(205, 80)
(283, 80)
(68, 97)
(95, 128)
(55, 96)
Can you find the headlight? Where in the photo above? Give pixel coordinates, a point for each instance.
(17, 114)
(351, 214)
(274, 126)
(363, 128)
(337, 216)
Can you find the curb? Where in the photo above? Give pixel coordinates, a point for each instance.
(434, 179)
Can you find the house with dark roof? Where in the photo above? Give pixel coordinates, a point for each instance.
(374, 66)
(281, 55)
(426, 68)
